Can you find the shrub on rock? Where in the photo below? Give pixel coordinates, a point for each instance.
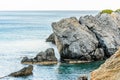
(108, 11)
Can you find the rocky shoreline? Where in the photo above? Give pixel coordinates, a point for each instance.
(91, 38)
(110, 70)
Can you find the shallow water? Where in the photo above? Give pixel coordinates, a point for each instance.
(23, 33)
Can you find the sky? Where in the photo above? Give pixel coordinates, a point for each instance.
(8, 5)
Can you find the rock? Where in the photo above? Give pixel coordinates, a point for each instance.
(23, 72)
(40, 56)
(26, 59)
(110, 70)
(50, 55)
(91, 38)
(106, 29)
(74, 41)
(98, 54)
(51, 38)
(47, 57)
(82, 78)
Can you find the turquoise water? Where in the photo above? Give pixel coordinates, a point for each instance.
(23, 33)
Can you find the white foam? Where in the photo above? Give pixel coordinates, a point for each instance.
(13, 47)
(26, 45)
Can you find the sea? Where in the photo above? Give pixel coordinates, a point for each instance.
(24, 33)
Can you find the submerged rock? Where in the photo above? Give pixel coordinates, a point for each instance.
(23, 72)
(90, 39)
(82, 78)
(47, 57)
(110, 70)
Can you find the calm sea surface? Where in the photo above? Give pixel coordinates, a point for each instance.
(23, 33)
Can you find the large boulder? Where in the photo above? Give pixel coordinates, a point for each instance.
(73, 40)
(23, 72)
(91, 38)
(47, 57)
(106, 28)
(110, 70)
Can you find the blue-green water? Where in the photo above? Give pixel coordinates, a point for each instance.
(23, 33)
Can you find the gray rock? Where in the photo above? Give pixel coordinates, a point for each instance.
(106, 29)
(23, 72)
(90, 38)
(72, 39)
(98, 54)
(50, 55)
(51, 38)
(42, 58)
(26, 59)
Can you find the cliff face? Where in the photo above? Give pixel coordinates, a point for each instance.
(110, 70)
(91, 38)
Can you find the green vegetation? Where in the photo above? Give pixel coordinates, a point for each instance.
(118, 10)
(108, 11)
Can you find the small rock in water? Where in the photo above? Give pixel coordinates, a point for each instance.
(24, 59)
(83, 78)
(51, 38)
(46, 57)
(23, 72)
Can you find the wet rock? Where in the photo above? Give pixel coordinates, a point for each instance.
(50, 55)
(110, 70)
(51, 38)
(26, 59)
(23, 72)
(47, 57)
(82, 78)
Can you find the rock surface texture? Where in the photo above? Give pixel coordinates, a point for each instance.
(23, 72)
(47, 57)
(82, 78)
(91, 38)
(51, 38)
(110, 70)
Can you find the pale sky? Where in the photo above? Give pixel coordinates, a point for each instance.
(58, 4)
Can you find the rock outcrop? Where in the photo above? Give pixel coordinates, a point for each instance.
(110, 70)
(106, 29)
(47, 57)
(51, 38)
(74, 41)
(90, 39)
(23, 72)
